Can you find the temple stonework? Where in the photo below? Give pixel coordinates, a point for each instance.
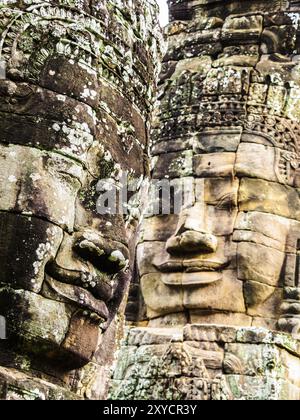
(215, 302)
(207, 362)
(76, 90)
(213, 311)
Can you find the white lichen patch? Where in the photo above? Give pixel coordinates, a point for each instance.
(56, 127)
(12, 179)
(35, 177)
(88, 93)
(61, 98)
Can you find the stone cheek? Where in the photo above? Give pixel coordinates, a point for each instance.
(268, 197)
(29, 245)
(36, 321)
(44, 185)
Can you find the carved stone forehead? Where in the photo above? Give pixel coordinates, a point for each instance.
(231, 76)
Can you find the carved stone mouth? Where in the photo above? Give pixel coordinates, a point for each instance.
(191, 266)
(191, 272)
(80, 297)
(191, 279)
(100, 285)
(90, 291)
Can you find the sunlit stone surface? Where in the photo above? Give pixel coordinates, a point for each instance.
(227, 122)
(74, 109)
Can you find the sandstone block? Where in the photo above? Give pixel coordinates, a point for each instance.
(269, 197)
(262, 300)
(219, 318)
(226, 294)
(210, 333)
(174, 165)
(269, 225)
(214, 165)
(251, 262)
(256, 161)
(153, 289)
(215, 141)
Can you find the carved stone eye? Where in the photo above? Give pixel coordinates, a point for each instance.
(227, 202)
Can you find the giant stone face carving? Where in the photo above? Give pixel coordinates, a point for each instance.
(228, 127)
(74, 109)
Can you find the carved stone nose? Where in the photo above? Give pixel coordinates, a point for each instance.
(192, 241)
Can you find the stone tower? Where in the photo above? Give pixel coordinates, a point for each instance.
(76, 89)
(216, 300)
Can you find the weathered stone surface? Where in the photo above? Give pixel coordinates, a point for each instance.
(214, 165)
(256, 161)
(174, 165)
(158, 228)
(225, 217)
(269, 197)
(39, 325)
(209, 333)
(252, 360)
(147, 336)
(257, 238)
(16, 385)
(250, 262)
(214, 141)
(77, 85)
(229, 99)
(271, 226)
(172, 146)
(219, 318)
(208, 362)
(179, 319)
(152, 289)
(217, 295)
(39, 184)
(259, 389)
(262, 300)
(220, 192)
(144, 256)
(33, 243)
(268, 323)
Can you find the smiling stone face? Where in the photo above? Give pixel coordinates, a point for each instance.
(74, 109)
(222, 257)
(228, 127)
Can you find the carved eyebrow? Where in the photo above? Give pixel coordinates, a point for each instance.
(225, 200)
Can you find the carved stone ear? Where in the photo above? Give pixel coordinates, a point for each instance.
(291, 269)
(289, 320)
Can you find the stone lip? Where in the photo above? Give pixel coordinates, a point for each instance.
(193, 279)
(191, 272)
(80, 297)
(190, 266)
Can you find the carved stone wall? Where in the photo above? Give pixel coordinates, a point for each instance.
(207, 363)
(227, 125)
(226, 130)
(74, 109)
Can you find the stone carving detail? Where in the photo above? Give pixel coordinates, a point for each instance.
(202, 362)
(74, 109)
(227, 124)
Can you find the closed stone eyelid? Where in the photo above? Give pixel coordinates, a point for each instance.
(226, 200)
